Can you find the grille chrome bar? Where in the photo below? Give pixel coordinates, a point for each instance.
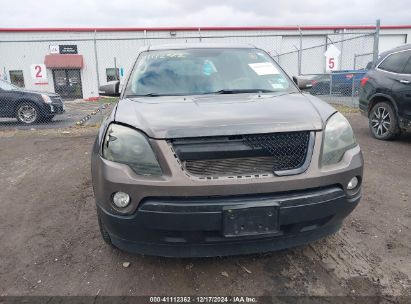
(233, 166)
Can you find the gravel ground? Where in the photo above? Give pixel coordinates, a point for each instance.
(51, 243)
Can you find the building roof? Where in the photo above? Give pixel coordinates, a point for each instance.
(230, 28)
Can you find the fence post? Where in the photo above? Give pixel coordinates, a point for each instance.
(300, 53)
(355, 61)
(342, 50)
(376, 42)
(331, 85)
(352, 88)
(96, 59)
(277, 55)
(100, 101)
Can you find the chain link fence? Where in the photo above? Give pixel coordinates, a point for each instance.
(339, 82)
(66, 68)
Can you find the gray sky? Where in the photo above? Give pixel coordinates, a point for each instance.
(161, 13)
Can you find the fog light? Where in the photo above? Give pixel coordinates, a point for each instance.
(121, 199)
(353, 183)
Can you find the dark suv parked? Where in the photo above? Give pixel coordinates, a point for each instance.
(28, 106)
(385, 94)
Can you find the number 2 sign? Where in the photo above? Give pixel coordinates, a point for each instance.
(38, 73)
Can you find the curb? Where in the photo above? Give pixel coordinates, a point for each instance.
(88, 116)
(92, 98)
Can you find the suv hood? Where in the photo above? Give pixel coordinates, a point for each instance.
(215, 115)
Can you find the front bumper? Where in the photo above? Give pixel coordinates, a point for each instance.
(176, 215)
(194, 227)
(56, 108)
(51, 109)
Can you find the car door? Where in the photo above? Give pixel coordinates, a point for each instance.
(401, 89)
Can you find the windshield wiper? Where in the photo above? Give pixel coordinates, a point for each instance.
(239, 91)
(157, 94)
(145, 95)
(224, 91)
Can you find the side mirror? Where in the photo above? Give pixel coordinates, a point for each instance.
(303, 84)
(111, 88)
(369, 65)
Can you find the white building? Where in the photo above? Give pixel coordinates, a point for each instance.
(73, 61)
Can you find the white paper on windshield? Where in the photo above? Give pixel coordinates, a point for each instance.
(264, 68)
(277, 86)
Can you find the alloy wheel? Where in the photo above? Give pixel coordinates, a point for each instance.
(381, 121)
(27, 114)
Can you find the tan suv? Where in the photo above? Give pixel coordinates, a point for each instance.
(213, 150)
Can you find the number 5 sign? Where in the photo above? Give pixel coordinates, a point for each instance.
(38, 73)
(332, 61)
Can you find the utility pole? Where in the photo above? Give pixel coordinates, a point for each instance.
(300, 53)
(115, 69)
(376, 42)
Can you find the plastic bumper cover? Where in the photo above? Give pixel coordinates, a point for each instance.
(194, 226)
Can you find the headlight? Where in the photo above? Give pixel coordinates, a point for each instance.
(46, 98)
(128, 146)
(338, 138)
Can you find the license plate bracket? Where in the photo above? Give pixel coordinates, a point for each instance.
(248, 220)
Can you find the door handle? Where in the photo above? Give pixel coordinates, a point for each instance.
(404, 81)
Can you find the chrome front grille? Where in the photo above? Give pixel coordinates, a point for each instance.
(230, 166)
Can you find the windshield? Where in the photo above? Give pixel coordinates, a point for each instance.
(206, 71)
(7, 86)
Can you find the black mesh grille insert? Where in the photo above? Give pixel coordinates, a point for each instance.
(243, 155)
(289, 149)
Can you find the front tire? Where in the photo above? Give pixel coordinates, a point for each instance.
(383, 121)
(27, 113)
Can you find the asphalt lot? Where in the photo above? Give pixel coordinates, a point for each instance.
(75, 111)
(51, 243)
